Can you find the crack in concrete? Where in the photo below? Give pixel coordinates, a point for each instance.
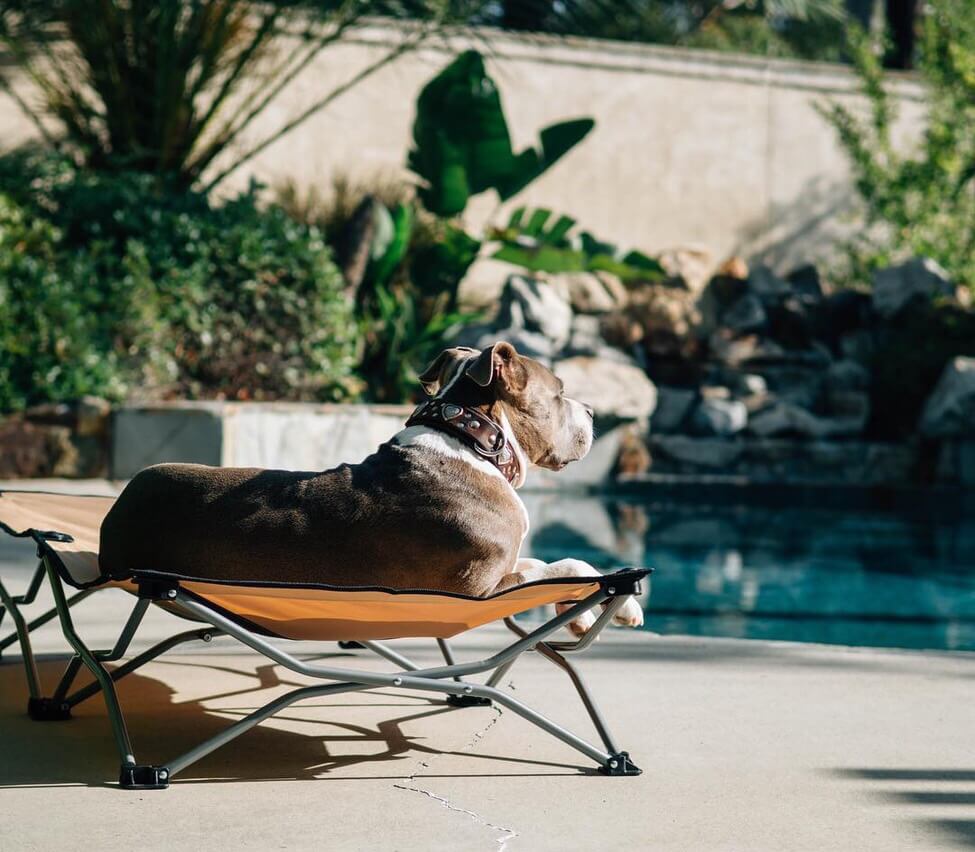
(507, 834)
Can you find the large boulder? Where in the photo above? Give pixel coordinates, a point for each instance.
(613, 389)
(586, 338)
(786, 418)
(721, 417)
(484, 282)
(667, 318)
(950, 410)
(535, 306)
(768, 286)
(806, 283)
(746, 314)
(673, 407)
(919, 277)
(531, 343)
(691, 266)
(590, 292)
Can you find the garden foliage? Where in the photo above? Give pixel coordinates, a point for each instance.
(921, 202)
(111, 286)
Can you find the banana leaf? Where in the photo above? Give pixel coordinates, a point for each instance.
(462, 145)
(527, 241)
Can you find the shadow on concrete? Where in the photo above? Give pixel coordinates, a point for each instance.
(958, 833)
(81, 751)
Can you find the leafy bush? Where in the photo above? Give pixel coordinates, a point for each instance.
(56, 324)
(162, 293)
(921, 203)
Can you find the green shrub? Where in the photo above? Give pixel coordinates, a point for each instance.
(922, 202)
(164, 294)
(56, 322)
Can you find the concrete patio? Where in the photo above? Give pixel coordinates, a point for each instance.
(744, 745)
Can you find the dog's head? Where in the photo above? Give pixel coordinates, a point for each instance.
(516, 391)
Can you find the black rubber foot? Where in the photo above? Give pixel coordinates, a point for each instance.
(620, 764)
(48, 710)
(468, 701)
(350, 645)
(143, 778)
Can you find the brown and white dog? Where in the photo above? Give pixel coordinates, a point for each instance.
(430, 509)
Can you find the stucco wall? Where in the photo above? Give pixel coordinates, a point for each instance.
(690, 147)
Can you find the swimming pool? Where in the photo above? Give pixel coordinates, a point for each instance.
(765, 572)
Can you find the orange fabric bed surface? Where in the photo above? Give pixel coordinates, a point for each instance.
(287, 611)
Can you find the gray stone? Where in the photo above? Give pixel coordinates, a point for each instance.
(753, 385)
(482, 285)
(534, 306)
(764, 283)
(721, 417)
(745, 315)
(715, 392)
(806, 283)
(590, 292)
(673, 406)
(587, 339)
(858, 346)
(715, 453)
(730, 350)
(956, 463)
(665, 316)
(784, 418)
(950, 410)
(849, 405)
(895, 286)
(847, 375)
(690, 264)
(531, 343)
(611, 388)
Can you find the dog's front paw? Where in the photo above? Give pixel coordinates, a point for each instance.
(580, 625)
(629, 615)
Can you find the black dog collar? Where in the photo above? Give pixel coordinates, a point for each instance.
(472, 427)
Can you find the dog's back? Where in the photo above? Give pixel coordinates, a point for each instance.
(390, 521)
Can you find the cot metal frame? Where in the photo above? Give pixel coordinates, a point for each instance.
(447, 681)
(12, 604)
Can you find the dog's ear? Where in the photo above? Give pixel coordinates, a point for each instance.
(443, 368)
(501, 362)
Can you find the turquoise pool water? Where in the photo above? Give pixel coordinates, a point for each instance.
(798, 574)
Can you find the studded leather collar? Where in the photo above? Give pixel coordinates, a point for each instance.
(475, 429)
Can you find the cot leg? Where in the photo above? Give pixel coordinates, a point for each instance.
(460, 699)
(39, 708)
(132, 776)
(22, 635)
(619, 762)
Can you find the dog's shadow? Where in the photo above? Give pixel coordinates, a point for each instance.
(82, 751)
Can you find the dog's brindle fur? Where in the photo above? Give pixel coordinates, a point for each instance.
(423, 512)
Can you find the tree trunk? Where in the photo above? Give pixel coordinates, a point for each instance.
(901, 22)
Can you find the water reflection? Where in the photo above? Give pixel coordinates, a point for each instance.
(793, 574)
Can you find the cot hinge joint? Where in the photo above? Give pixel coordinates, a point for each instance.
(157, 590)
(619, 586)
